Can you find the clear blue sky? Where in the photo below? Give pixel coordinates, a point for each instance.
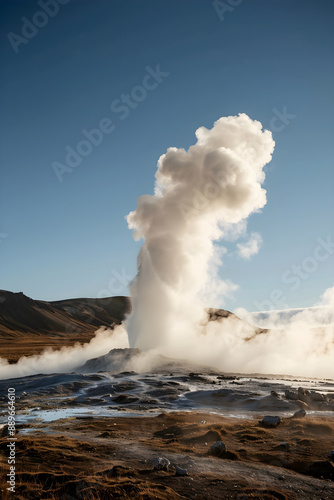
(70, 239)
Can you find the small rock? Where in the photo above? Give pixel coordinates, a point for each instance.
(106, 434)
(269, 421)
(316, 396)
(284, 446)
(331, 455)
(181, 472)
(299, 413)
(291, 394)
(217, 448)
(161, 463)
(304, 395)
(302, 405)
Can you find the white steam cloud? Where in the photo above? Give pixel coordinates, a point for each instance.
(301, 345)
(65, 359)
(251, 247)
(202, 196)
(199, 195)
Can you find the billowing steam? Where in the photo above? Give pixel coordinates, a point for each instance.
(199, 193)
(202, 196)
(246, 250)
(65, 359)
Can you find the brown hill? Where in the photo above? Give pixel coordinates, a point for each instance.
(27, 326)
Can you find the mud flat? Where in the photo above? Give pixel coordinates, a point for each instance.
(129, 435)
(98, 457)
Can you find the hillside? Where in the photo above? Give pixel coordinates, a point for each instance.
(27, 326)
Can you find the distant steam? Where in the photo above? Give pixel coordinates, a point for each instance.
(300, 345)
(65, 359)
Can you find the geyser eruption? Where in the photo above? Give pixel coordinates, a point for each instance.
(201, 196)
(199, 193)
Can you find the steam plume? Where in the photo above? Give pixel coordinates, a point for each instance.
(199, 193)
(201, 196)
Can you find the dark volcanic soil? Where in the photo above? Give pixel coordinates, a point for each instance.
(102, 458)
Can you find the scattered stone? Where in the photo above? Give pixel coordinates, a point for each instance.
(316, 396)
(302, 405)
(274, 393)
(303, 394)
(161, 463)
(217, 448)
(321, 469)
(181, 472)
(284, 446)
(269, 421)
(299, 413)
(291, 394)
(106, 434)
(306, 396)
(331, 455)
